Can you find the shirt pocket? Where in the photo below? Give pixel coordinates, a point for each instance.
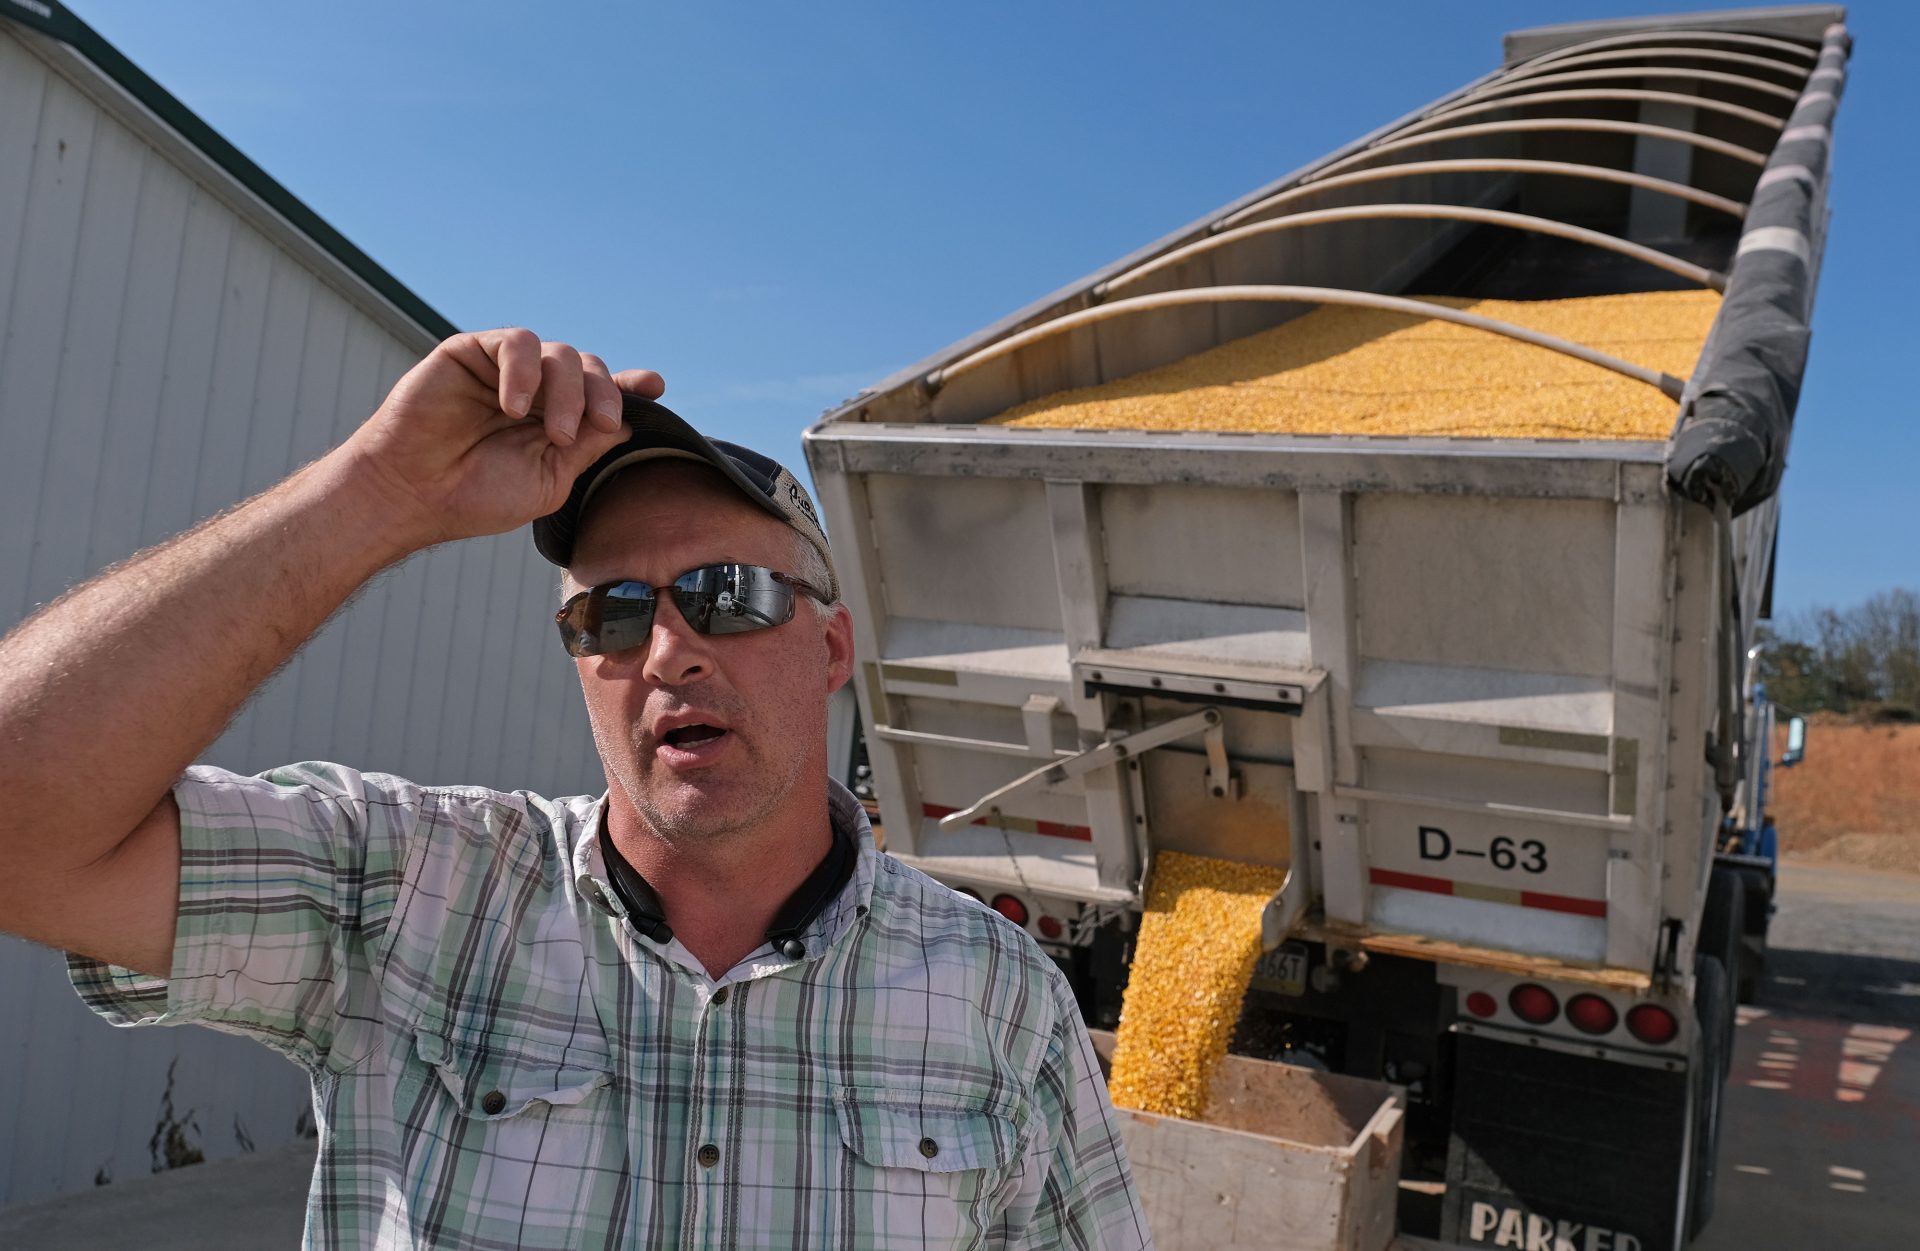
(491, 1083)
(924, 1131)
(535, 1139)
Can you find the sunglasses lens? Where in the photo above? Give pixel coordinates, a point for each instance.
(733, 599)
(571, 621)
(606, 619)
(716, 599)
(626, 616)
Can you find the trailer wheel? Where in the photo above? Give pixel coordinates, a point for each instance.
(1723, 932)
(1753, 964)
(1712, 1006)
(1737, 946)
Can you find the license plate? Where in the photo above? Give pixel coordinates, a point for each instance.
(1283, 970)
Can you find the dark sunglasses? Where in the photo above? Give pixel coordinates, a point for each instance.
(714, 599)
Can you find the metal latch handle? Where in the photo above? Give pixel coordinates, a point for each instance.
(1099, 756)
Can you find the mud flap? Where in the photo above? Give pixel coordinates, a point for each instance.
(1564, 1152)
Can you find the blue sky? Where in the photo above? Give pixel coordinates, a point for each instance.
(776, 204)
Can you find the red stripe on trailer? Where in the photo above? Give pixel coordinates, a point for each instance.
(1053, 829)
(1563, 903)
(1412, 881)
(1528, 898)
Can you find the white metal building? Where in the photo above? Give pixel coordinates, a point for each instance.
(177, 332)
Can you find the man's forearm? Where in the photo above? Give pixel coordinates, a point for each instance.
(112, 690)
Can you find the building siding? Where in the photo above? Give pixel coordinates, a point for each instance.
(163, 356)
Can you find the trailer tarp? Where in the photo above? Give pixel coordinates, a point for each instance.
(1731, 441)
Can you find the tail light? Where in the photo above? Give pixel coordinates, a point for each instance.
(1050, 927)
(1482, 1005)
(1533, 1004)
(1590, 1014)
(1652, 1024)
(1010, 907)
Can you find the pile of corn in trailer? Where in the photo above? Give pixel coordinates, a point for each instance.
(1458, 650)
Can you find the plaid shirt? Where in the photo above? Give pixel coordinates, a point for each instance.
(499, 1060)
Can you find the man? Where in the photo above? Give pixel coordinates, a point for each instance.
(700, 1011)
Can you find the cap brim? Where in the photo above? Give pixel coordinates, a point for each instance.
(657, 430)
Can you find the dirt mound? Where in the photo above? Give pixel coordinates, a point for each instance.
(1855, 799)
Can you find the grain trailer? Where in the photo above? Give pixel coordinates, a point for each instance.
(1402, 524)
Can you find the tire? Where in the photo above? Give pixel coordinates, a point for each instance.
(1723, 936)
(1737, 945)
(1753, 963)
(1713, 1006)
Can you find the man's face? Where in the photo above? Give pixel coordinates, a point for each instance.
(706, 736)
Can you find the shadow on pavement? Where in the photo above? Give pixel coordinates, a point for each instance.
(1822, 1129)
(1853, 987)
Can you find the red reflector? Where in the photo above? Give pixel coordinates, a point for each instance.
(1652, 1024)
(1011, 908)
(1050, 927)
(1590, 1014)
(1482, 1005)
(1534, 1004)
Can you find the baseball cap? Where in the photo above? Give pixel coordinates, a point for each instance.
(660, 432)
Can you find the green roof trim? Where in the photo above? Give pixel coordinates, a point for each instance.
(56, 21)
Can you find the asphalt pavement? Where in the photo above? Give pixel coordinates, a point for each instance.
(1821, 1142)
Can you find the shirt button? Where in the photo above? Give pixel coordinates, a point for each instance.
(720, 996)
(929, 1148)
(493, 1103)
(708, 1155)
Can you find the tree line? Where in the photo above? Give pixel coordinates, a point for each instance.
(1864, 659)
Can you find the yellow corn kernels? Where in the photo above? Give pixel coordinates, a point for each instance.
(1198, 942)
(1340, 370)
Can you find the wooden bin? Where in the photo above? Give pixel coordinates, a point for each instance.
(1287, 1159)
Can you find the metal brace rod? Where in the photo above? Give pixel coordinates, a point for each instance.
(1666, 383)
(1101, 756)
(1456, 212)
(1221, 783)
(1485, 165)
(1447, 116)
(890, 734)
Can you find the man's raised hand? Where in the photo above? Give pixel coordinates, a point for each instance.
(489, 431)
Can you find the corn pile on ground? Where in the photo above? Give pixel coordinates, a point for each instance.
(1198, 942)
(1339, 370)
